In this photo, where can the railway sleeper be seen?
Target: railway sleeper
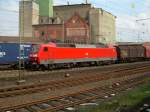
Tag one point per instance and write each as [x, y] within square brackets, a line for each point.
[34, 108]
[59, 105]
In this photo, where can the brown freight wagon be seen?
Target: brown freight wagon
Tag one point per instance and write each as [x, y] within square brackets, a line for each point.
[147, 47]
[135, 52]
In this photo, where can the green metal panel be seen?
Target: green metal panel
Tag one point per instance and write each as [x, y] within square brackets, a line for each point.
[46, 7]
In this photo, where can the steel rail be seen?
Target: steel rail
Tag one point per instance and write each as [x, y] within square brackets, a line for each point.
[98, 93]
[7, 92]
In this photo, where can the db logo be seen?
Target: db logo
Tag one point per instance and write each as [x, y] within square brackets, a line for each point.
[2, 54]
[86, 54]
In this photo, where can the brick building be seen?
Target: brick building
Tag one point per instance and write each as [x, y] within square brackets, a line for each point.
[95, 25]
[67, 11]
[49, 32]
[102, 23]
[74, 30]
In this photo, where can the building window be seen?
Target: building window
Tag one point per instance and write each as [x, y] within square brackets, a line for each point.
[42, 33]
[73, 21]
[41, 20]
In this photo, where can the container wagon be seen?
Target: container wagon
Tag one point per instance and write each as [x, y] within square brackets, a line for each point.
[9, 53]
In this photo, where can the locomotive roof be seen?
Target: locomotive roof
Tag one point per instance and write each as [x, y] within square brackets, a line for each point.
[82, 45]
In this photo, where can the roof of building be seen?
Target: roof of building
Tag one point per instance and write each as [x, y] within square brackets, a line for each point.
[77, 18]
[15, 39]
[70, 5]
[81, 5]
[47, 24]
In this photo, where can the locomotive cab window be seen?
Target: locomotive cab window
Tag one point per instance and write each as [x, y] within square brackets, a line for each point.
[45, 49]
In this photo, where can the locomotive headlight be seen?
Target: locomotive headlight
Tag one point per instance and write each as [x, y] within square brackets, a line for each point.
[35, 55]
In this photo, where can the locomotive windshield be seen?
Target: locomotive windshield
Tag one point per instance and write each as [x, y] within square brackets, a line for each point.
[35, 48]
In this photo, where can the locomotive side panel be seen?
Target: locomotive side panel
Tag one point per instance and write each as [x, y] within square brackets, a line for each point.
[68, 55]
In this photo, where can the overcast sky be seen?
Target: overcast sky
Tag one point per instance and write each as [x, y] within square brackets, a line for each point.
[127, 12]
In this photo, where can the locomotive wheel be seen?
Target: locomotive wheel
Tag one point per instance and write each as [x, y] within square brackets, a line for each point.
[42, 67]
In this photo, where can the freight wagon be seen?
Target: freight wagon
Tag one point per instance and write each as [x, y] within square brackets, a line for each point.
[9, 53]
[134, 52]
[52, 55]
[147, 47]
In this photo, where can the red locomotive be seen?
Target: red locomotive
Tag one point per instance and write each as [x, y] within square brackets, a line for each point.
[57, 55]
[48, 55]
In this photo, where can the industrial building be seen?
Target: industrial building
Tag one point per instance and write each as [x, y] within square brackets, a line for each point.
[45, 11]
[49, 32]
[67, 11]
[28, 16]
[15, 39]
[46, 8]
[100, 23]
[74, 30]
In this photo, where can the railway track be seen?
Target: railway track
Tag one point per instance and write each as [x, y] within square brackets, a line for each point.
[70, 82]
[14, 73]
[72, 99]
